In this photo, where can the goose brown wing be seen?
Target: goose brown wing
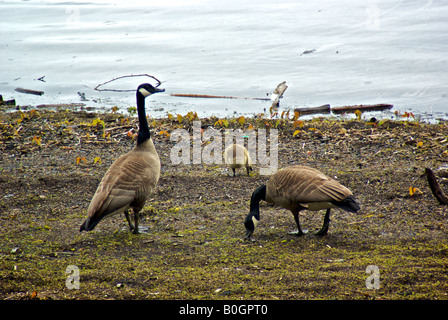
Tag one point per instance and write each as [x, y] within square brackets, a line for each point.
[300, 184]
[334, 190]
[127, 182]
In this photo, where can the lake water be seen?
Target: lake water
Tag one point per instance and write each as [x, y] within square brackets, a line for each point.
[340, 52]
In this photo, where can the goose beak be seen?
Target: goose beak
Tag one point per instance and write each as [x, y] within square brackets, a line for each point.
[158, 90]
[248, 234]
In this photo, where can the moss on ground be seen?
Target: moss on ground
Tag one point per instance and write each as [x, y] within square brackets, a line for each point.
[195, 248]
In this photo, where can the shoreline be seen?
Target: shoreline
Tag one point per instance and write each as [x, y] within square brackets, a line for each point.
[180, 105]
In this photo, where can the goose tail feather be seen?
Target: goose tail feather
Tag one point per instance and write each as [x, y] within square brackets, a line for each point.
[89, 224]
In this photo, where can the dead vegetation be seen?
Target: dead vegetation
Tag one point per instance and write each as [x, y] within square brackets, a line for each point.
[52, 163]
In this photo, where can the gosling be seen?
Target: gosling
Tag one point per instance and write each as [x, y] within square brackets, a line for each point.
[237, 156]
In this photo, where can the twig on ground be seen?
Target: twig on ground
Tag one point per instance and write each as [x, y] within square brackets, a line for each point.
[435, 187]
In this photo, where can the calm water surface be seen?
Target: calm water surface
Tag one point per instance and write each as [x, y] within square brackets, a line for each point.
[337, 52]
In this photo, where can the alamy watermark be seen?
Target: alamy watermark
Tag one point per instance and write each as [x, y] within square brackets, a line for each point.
[373, 21]
[373, 281]
[206, 146]
[72, 19]
[72, 281]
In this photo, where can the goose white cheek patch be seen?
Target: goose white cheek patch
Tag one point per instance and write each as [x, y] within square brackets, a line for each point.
[255, 221]
[144, 92]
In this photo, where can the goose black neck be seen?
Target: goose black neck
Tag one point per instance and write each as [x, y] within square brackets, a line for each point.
[143, 131]
[258, 195]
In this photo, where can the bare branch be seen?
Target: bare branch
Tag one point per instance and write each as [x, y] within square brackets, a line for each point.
[126, 76]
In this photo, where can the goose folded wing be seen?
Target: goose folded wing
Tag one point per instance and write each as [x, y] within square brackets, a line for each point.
[334, 190]
[317, 189]
[110, 196]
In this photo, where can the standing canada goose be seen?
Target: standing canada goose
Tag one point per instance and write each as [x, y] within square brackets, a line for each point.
[131, 178]
[236, 156]
[297, 188]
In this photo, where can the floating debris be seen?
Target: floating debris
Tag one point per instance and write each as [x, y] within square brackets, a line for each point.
[97, 88]
[190, 95]
[29, 91]
[82, 95]
[308, 51]
[61, 105]
[322, 109]
[7, 102]
[277, 94]
[344, 109]
[362, 108]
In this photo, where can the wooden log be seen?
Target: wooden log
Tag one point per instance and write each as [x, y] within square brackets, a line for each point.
[29, 91]
[362, 108]
[7, 102]
[322, 109]
[61, 105]
[435, 187]
[190, 95]
[277, 94]
[11, 102]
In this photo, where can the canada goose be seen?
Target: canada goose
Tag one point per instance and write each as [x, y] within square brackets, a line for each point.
[297, 188]
[131, 178]
[236, 156]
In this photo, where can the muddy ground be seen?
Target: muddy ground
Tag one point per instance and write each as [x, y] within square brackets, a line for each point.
[51, 163]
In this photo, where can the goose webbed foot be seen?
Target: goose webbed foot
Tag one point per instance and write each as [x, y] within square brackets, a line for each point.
[134, 227]
[136, 218]
[128, 219]
[298, 233]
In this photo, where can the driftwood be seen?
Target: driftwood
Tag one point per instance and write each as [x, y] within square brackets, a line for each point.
[61, 105]
[277, 94]
[435, 187]
[362, 108]
[322, 109]
[189, 95]
[7, 102]
[29, 91]
[97, 88]
[326, 109]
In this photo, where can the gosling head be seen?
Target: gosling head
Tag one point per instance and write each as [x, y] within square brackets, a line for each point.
[146, 89]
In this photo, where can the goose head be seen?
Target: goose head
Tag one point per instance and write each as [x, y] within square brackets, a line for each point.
[146, 89]
[253, 218]
[251, 222]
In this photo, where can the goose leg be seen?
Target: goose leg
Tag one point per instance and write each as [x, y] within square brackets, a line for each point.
[136, 218]
[131, 226]
[326, 224]
[299, 231]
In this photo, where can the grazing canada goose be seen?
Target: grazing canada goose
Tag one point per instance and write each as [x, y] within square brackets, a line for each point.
[297, 188]
[236, 156]
[131, 178]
